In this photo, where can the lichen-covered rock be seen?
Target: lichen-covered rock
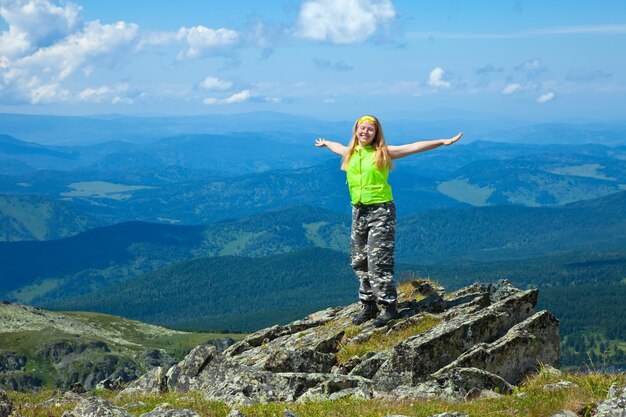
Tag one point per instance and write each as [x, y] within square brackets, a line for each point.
[413, 360]
[559, 385]
[179, 376]
[96, 407]
[153, 382]
[614, 405]
[6, 406]
[487, 334]
[20, 381]
[523, 348]
[11, 362]
[156, 357]
[299, 360]
[455, 385]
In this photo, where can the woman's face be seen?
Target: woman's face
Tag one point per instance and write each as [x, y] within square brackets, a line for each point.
[365, 133]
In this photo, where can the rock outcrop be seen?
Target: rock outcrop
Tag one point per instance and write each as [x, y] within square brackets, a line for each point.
[614, 405]
[74, 348]
[6, 407]
[483, 338]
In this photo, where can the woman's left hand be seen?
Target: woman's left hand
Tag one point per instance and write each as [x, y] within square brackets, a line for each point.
[450, 141]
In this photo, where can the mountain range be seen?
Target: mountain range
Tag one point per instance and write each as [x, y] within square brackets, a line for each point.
[209, 216]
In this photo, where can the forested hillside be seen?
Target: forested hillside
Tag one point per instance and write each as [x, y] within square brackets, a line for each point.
[229, 292]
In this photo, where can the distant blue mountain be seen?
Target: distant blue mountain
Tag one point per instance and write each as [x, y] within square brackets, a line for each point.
[400, 128]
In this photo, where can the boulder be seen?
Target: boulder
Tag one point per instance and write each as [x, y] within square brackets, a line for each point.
[152, 383]
[614, 405]
[156, 357]
[456, 384]
[10, 362]
[413, 360]
[523, 348]
[94, 406]
[6, 406]
[179, 376]
[488, 338]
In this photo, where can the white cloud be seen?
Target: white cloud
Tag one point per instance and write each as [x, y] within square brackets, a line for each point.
[214, 83]
[202, 40]
[511, 88]
[105, 94]
[37, 76]
[81, 48]
[37, 23]
[343, 21]
[239, 97]
[13, 44]
[435, 78]
[533, 65]
[544, 98]
[46, 92]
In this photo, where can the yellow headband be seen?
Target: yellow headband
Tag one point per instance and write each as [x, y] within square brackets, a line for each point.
[368, 119]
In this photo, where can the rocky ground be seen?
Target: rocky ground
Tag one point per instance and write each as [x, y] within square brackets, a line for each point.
[43, 348]
[478, 343]
[483, 338]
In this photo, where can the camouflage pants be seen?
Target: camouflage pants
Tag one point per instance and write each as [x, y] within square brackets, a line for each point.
[372, 247]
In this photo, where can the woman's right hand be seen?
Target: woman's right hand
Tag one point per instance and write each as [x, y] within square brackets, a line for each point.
[319, 142]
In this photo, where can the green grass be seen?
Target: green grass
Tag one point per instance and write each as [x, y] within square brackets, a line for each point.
[27, 293]
[462, 190]
[381, 341]
[312, 233]
[585, 170]
[127, 339]
[102, 189]
[238, 245]
[529, 400]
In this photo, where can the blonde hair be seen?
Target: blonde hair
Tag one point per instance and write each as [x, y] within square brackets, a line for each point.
[381, 157]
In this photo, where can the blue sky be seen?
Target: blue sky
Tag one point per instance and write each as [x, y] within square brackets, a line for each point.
[534, 60]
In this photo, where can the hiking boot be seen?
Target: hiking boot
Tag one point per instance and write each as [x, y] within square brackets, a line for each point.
[390, 312]
[368, 312]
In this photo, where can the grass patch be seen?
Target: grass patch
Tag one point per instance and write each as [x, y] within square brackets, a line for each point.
[462, 190]
[529, 400]
[380, 341]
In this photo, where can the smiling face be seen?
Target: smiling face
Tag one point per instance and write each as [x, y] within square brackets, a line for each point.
[365, 133]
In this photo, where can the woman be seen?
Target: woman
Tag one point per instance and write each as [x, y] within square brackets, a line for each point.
[367, 160]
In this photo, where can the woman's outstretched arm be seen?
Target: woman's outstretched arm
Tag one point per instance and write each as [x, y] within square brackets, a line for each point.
[335, 147]
[401, 151]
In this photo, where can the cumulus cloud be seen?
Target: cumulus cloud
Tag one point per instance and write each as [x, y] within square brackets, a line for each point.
[35, 24]
[38, 75]
[332, 65]
[343, 21]
[486, 69]
[544, 98]
[239, 97]
[533, 65]
[511, 88]
[214, 83]
[203, 41]
[81, 48]
[435, 79]
[115, 95]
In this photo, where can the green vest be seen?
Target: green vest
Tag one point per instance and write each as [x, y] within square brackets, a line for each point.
[367, 183]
